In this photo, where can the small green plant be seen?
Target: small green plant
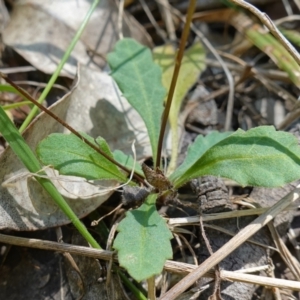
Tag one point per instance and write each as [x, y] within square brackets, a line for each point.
[259, 157]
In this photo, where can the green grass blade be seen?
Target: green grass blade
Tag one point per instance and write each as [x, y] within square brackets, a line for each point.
[292, 35]
[137, 292]
[16, 105]
[24, 153]
[8, 88]
[281, 57]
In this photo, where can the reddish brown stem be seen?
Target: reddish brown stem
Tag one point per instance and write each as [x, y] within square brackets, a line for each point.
[184, 36]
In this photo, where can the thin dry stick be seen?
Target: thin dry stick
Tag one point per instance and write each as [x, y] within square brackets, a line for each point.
[287, 7]
[17, 69]
[259, 280]
[293, 240]
[297, 2]
[40, 84]
[230, 233]
[289, 119]
[270, 74]
[252, 270]
[270, 85]
[270, 273]
[181, 249]
[120, 18]
[147, 11]
[165, 13]
[234, 243]
[109, 243]
[287, 19]
[96, 222]
[209, 248]
[72, 262]
[264, 18]
[151, 288]
[170, 266]
[285, 253]
[194, 220]
[194, 256]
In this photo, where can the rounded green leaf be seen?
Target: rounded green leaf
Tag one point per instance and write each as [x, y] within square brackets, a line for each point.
[71, 156]
[143, 241]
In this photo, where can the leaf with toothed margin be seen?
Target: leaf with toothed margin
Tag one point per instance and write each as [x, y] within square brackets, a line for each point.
[260, 156]
[143, 241]
[140, 80]
[71, 156]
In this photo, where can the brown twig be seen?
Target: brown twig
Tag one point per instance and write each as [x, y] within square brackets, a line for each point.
[170, 266]
[233, 244]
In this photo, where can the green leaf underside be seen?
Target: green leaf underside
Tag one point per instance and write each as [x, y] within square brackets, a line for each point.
[139, 79]
[143, 241]
[127, 161]
[196, 150]
[71, 156]
[193, 63]
[8, 88]
[261, 156]
[292, 35]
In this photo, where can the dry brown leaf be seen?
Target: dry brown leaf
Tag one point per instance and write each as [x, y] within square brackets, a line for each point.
[41, 31]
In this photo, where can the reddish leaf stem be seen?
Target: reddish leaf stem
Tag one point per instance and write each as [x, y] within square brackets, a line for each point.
[184, 36]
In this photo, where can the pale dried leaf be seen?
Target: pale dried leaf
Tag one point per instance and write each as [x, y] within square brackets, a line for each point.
[41, 31]
[99, 109]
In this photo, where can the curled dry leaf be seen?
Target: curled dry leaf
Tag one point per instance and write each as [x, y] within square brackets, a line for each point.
[95, 107]
[41, 31]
